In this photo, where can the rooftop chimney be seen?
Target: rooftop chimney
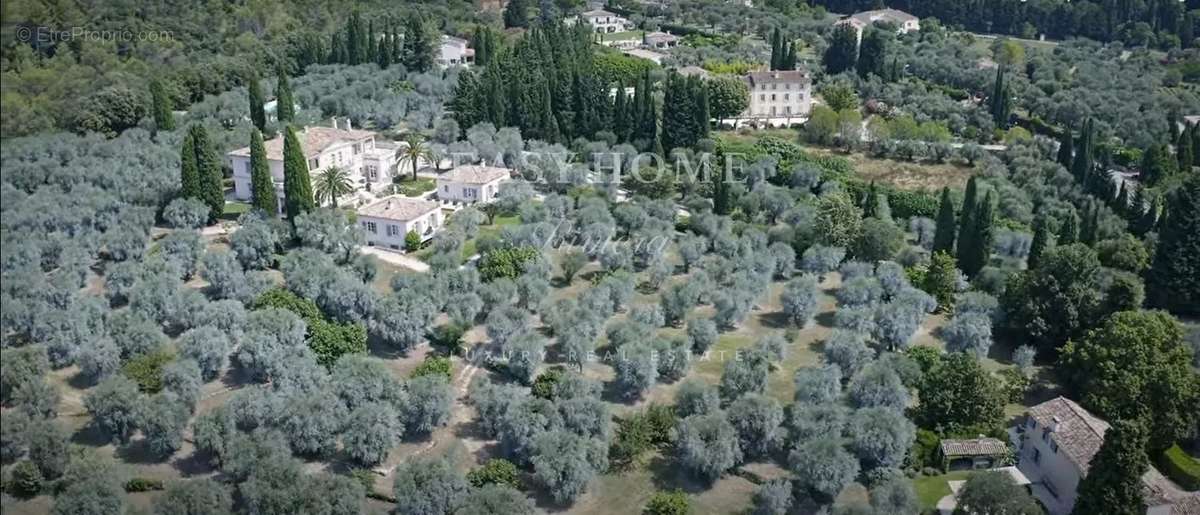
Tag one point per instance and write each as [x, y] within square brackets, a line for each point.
[334, 121]
[1054, 422]
[349, 126]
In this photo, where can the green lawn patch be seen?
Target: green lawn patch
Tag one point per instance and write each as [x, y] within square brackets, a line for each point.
[1181, 468]
[931, 489]
[234, 210]
[620, 36]
[411, 188]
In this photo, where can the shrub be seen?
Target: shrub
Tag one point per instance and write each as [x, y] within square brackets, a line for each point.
[143, 484]
[1181, 468]
[147, 369]
[433, 365]
[412, 241]
[26, 480]
[495, 472]
[674, 502]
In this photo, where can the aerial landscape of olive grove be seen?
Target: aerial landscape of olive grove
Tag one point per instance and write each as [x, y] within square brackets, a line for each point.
[649, 256]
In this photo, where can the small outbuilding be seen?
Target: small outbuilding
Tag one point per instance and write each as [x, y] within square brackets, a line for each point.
[973, 453]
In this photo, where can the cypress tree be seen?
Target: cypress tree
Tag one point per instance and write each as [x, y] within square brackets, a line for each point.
[872, 53]
[776, 49]
[1001, 105]
[163, 120]
[297, 183]
[842, 53]
[383, 51]
[258, 114]
[1183, 149]
[189, 170]
[870, 201]
[789, 56]
[1041, 239]
[1114, 480]
[262, 186]
[285, 105]
[703, 116]
[1069, 232]
[943, 236]
[722, 201]
[620, 115]
[1066, 148]
[516, 14]
[1174, 277]
[212, 187]
[982, 235]
[1088, 234]
[966, 224]
[1081, 166]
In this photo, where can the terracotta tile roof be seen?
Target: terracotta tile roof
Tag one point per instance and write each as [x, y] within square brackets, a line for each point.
[1079, 434]
[313, 140]
[474, 174]
[1187, 505]
[400, 208]
[889, 15]
[597, 13]
[659, 36]
[973, 447]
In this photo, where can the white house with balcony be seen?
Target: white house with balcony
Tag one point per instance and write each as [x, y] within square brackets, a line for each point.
[471, 183]
[779, 94]
[387, 221]
[903, 21]
[454, 52]
[370, 162]
[603, 21]
[1055, 446]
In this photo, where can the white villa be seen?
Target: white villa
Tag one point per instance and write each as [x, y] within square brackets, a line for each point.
[903, 21]
[370, 161]
[388, 220]
[603, 21]
[471, 183]
[779, 94]
[454, 52]
[1055, 445]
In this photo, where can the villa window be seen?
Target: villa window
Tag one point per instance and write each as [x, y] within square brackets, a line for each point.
[372, 173]
[787, 96]
[772, 97]
[1037, 456]
[314, 163]
[1054, 446]
[357, 148]
[392, 230]
[370, 226]
[247, 167]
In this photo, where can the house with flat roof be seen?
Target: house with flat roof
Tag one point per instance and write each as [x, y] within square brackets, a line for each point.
[1056, 444]
[454, 52]
[471, 183]
[369, 160]
[779, 94]
[903, 21]
[387, 221]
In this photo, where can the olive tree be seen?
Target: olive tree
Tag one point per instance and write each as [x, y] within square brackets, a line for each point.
[186, 213]
[881, 437]
[799, 299]
[162, 419]
[208, 347]
[757, 419]
[371, 432]
[823, 466]
[877, 385]
[773, 498]
[702, 334]
[202, 496]
[424, 486]
[969, 332]
[707, 445]
[818, 385]
[114, 405]
[564, 462]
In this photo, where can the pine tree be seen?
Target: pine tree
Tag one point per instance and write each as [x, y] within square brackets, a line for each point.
[418, 45]
[161, 108]
[262, 186]
[1114, 480]
[842, 53]
[516, 14]
[1066, 148]
[285, 105]
[297, 183]
[966, 223]
[979, 251]
[943, 236]
[258, 115]
[1173, 282]
[1041, 239]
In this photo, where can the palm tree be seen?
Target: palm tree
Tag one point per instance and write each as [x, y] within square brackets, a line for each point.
[332, 183]
[415, 149]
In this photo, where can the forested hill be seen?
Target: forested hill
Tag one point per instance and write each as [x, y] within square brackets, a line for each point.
[1161, 23]
[66, 61]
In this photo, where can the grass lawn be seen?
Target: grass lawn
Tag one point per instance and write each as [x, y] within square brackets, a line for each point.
[930, 489]
[411, 188]
[233, 210]
[904, 175]
[619, 36]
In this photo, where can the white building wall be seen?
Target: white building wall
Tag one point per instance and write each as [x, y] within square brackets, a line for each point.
[387, 233]
[470, 193]
[1042, 463]
[343, 155]
[778, 100]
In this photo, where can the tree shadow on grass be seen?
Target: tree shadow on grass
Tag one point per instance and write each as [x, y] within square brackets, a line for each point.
[194, 464]
[775, 320]
[90, 436]
[825, 319]
[138, 452]
[668, 475]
